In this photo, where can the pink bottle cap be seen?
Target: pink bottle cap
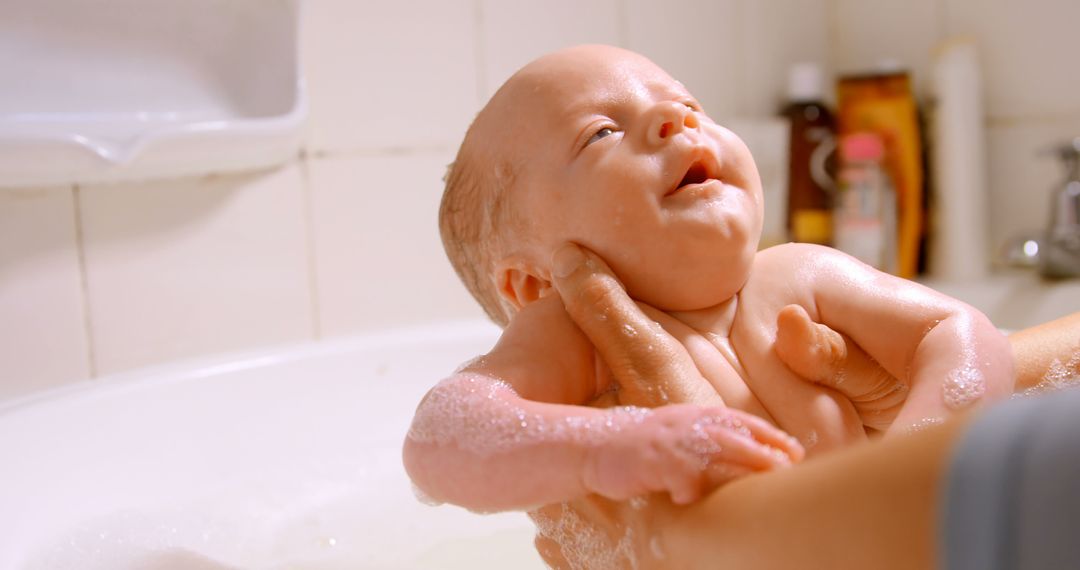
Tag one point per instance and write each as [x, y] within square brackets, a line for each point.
[861, 147]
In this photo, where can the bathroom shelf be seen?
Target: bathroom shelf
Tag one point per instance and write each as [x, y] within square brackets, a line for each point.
[116, 90]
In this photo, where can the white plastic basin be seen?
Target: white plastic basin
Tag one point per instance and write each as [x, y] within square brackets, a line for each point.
[285, 459]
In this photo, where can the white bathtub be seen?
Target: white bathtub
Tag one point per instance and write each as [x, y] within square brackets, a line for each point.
[283, 459]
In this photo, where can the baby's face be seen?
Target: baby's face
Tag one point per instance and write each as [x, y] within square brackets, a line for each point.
[619, 157]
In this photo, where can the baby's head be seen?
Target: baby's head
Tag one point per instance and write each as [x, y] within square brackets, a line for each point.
[599, 146]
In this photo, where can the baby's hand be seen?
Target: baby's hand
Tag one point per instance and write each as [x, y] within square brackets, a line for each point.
[686, 450]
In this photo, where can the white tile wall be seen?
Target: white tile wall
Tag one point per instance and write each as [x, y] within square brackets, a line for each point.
[864, 33]
[379, 259]
[696, 42]
[514, 32]
[43, 339]
[192, 266]
[1021, 179]
[771, 36]
[346, 239]
[390, 74]
[1029, 54]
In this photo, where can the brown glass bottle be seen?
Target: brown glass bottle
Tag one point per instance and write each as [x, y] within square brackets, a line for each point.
[809, 212]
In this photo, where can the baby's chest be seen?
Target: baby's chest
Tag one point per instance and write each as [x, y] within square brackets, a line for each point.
[716, 356]
[737, 355]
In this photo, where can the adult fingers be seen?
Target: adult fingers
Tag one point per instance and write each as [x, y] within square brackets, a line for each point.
[649, 364]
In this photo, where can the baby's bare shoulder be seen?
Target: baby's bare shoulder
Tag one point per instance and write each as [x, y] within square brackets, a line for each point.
[789, 273]
[795, 256]
[543, 355]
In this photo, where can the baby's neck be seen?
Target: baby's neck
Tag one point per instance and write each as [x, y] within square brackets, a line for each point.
[715, 320]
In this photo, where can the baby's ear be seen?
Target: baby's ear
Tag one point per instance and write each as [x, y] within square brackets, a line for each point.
[520, 282]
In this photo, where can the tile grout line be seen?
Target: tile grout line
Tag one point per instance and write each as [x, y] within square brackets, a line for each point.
[831, 35]
[1030, 120]
[377, 152]
[944, 27]
[309, 238]
[80, 249]
[622, 24]
[478, 57]
[738, 95]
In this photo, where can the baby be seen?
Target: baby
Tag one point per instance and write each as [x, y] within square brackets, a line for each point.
[597, 146]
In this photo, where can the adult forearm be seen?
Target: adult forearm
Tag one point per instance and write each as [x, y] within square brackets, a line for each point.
[870, 506]
[1036, 350]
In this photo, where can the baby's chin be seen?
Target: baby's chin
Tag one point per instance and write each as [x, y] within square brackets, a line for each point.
[687, 293]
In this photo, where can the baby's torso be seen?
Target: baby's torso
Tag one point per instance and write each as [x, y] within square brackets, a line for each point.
[732, 346]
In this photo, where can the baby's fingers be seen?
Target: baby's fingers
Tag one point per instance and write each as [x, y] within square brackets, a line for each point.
[737, 449]
[771, 436]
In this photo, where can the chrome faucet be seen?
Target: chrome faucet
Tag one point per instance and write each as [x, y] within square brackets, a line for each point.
[1059, 254]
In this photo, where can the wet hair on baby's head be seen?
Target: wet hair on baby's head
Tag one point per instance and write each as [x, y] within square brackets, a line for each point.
[473, 219]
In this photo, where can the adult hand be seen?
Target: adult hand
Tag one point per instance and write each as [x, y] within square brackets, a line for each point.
[652, 369]
[649, 363]
[683, 449]
[650, 366]
[595, 532]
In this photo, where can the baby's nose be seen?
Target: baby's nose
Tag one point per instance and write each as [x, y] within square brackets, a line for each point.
[669, 119]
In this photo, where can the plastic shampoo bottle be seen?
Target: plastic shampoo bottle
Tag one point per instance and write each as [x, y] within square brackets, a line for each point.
[812, 126]
[865, 214]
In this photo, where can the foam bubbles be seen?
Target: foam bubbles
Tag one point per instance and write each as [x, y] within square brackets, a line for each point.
[963, 387]
[923, 424]
[475, 361]
[656, 549]
[1058, 377]
[478, 414]
[583, 546]
[423, 497]
[701, 443]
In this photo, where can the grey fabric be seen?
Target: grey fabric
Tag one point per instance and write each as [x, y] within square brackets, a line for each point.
[1012, 493]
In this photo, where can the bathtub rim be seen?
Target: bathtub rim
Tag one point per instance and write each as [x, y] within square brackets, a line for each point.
[203, 366]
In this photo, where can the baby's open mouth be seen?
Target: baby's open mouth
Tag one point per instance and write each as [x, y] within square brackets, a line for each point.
[696, 174]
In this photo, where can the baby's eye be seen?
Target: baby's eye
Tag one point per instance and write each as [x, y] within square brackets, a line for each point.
[606, 131]
[692, 106]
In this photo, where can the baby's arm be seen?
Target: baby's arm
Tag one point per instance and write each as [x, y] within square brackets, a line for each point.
[948, 354]
[509, 432]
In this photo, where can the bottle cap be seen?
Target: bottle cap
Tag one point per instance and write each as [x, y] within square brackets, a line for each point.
[805, 82]
[861, 147]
